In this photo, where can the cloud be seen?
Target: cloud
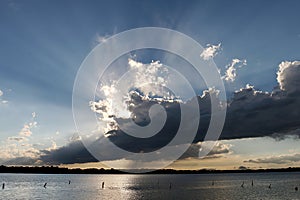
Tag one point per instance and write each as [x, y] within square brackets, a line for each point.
[210, 51]
[52, 147]
[22, 161]
[294, 134]
[75, 137]
[146, 86]
[219, 150]
[26, 130]
[33, 115]
[254, 113]
[230, 73]
[1, 100]
[98, 39]
[282, 159]
[288, 76]
[17, 149]
[101, 39]
[250, 113]
[74, 152]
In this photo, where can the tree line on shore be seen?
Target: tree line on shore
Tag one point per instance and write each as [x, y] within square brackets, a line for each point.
[63, 170]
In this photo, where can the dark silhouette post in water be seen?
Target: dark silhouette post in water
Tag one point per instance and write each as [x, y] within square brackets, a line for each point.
[45, 185]
[69, 182]
[252, 183]
[170, 186]
[213, 183]
[102, 185]
[3, 186]
[270, 186]
[296, 188]
[242, 184]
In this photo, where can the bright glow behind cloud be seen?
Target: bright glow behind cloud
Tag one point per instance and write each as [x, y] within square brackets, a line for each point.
[146, 80]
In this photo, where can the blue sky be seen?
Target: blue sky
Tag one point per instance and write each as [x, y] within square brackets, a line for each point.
[43, 43]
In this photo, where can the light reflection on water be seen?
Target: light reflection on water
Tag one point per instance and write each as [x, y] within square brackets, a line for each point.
[226, 186]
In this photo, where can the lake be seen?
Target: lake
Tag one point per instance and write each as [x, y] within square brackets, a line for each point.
[185, 186]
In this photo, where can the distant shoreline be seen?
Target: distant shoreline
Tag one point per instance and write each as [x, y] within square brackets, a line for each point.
[60, 170]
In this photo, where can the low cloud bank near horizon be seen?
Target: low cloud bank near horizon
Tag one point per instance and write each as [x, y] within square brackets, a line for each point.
[281, 159]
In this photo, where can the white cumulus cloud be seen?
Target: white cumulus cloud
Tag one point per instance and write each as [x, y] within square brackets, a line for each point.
[210, 51]
[230, 73]
[27, 128]
[288, 76]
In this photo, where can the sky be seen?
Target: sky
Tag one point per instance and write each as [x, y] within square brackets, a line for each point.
[254, 44]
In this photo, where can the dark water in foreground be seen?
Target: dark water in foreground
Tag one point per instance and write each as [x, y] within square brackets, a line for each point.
[199, 186]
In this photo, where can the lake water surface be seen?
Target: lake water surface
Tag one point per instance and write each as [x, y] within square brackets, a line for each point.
[191, 186]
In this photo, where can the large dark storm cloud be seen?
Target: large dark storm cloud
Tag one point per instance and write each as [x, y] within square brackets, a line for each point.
[74, 152]
[254, 113]
[250, 113]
